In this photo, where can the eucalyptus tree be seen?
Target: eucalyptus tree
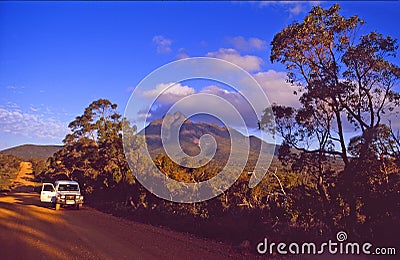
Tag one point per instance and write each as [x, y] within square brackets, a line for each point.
[347, 83]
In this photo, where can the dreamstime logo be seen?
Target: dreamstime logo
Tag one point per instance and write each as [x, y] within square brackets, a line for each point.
[165, 85]
[341, 236]
[332, 247]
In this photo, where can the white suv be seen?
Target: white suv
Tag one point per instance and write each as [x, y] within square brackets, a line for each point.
[62, 193]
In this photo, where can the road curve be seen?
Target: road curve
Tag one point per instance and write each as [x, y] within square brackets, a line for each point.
[31, 230]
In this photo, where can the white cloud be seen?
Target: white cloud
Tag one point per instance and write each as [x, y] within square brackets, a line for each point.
[237, 100]
[12, 106]
[198, 104]
[273, 83]
[169, 92]
[163, 44]
[247, 62]
[232, 115]
[15, 89]
[292, 7]
[276, 88]
[252, 43]
[144, 116]
[234, 98]
[296, 9]
[33, 108]
[182, 54]
[31, 125]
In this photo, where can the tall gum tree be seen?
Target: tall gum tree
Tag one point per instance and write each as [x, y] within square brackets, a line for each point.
[93, 151]
[345, 79]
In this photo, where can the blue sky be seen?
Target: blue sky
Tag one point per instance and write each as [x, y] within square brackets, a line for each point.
[58, 57]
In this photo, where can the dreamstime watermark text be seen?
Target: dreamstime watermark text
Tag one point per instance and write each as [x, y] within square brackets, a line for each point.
[339, 246]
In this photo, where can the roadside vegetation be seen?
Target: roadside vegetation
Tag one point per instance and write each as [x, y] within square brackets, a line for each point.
[345, 79]
[9, 166]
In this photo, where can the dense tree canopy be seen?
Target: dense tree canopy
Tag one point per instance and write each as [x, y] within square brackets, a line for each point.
[346, 80]
[93, 152]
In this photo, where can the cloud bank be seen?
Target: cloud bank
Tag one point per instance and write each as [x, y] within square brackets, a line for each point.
[250, 63]
[250, 44]
[31, 125]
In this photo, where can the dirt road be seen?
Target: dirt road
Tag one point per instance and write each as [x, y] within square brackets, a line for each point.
[31, 230]
[24, 180]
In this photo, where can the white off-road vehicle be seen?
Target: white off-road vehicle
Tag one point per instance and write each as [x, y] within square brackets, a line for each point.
[63, 193]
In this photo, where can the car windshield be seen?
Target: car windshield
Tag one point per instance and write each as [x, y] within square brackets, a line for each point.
[68, 187]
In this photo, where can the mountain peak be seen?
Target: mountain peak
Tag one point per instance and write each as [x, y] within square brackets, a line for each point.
[190, 134]
[170, 119]
[175, 116]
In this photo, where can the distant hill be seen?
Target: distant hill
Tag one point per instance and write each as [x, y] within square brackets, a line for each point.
[189, 137]
[28, 151]
[190, 133]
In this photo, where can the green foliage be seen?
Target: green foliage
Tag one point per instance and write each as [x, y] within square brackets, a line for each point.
[343, 78]
[93, 152]
[9, 165]
[38, 166]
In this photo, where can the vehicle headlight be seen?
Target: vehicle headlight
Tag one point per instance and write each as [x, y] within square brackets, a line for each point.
[63, 196]
[81, 197]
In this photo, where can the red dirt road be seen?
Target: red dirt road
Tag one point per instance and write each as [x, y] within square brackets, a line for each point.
[29, 230]
[32, 230]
